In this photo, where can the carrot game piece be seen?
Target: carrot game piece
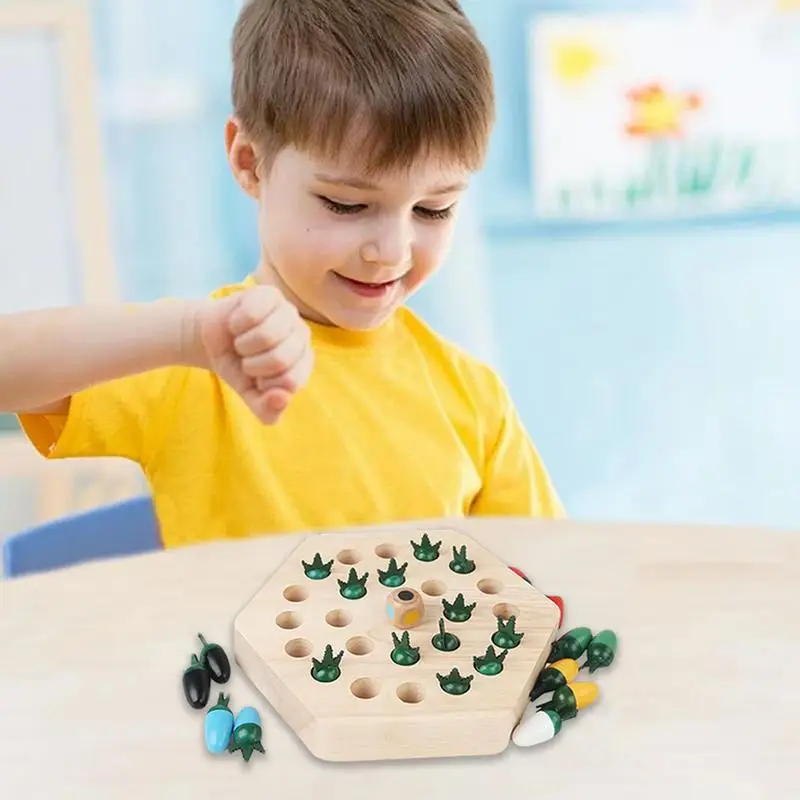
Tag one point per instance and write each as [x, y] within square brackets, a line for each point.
[394, 575]
[558, 674]
[219, 725]
[458, 610]
[506, 635]
[215, 660]
[536, 727]
[196, 684]
[317, 569]
[247, 732]
[354, 588]
[461, 563]
[426, 550]
[572, 698]
[444, 640]
[601, 650]
[404, 653]
[326, 669]
[572, 644]
[454, 682]
[491, 662]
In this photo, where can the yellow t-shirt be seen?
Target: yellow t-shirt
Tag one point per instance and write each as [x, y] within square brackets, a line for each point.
[394, 424]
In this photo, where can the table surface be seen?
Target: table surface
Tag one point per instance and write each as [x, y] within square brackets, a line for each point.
[702, 700]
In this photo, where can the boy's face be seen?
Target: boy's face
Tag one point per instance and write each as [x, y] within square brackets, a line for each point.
[348, 248]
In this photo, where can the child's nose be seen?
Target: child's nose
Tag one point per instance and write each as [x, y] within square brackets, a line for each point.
[389, 247]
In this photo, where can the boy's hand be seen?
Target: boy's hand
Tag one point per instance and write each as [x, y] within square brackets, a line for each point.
[258, 343]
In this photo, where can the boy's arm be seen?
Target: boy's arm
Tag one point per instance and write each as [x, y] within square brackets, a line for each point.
[515, 480]
[94, 381]
[48, 356]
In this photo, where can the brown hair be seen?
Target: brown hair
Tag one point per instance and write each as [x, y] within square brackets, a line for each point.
[412, 73]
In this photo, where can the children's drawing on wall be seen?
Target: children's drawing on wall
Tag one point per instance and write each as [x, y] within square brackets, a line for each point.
[637, 116]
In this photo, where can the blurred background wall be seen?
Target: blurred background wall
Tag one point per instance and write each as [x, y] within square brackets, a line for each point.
[655, 363]
[653, 359]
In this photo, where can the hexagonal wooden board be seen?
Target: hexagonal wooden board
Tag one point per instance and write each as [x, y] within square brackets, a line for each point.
[377, 709]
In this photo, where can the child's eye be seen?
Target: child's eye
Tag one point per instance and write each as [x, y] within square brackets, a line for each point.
[345, 208]
[435, 213]
[341, 208]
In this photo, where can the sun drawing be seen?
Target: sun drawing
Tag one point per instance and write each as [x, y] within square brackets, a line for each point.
[574, 60]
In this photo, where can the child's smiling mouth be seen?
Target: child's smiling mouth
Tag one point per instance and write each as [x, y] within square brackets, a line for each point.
[365, 289]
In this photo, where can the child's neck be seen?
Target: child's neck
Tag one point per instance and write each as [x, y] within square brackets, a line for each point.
[266, 275]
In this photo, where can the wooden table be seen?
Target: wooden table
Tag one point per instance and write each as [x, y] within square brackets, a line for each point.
[702, 701]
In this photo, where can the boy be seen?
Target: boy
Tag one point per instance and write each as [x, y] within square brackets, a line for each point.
[308, 396]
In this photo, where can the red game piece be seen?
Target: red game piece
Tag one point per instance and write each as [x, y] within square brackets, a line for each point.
[521, 574]
[560, 603]
[554, 597]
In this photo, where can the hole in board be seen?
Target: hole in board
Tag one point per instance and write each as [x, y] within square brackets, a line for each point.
[298, 648]
[295, 594]
[365, 688]
[338, 618]
[505, 611]
[490, 586]
[288, 620]
[411, 692]
[359, 645]
[349, 557]
[434, 588]
[386, 551]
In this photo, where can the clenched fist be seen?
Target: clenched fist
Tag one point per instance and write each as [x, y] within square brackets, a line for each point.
[258, 343]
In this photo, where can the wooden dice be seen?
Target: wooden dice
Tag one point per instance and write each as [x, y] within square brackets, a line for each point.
[405, 608]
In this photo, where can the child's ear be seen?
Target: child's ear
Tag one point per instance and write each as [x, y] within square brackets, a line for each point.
[242, 157]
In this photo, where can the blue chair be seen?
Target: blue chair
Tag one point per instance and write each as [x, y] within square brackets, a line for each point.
[122, 529]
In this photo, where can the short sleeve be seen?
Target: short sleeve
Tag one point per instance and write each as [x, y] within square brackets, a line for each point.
[124, 418]
[515, 480]
[127, 418]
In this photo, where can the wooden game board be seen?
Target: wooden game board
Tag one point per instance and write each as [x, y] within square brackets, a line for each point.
[377, 709]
